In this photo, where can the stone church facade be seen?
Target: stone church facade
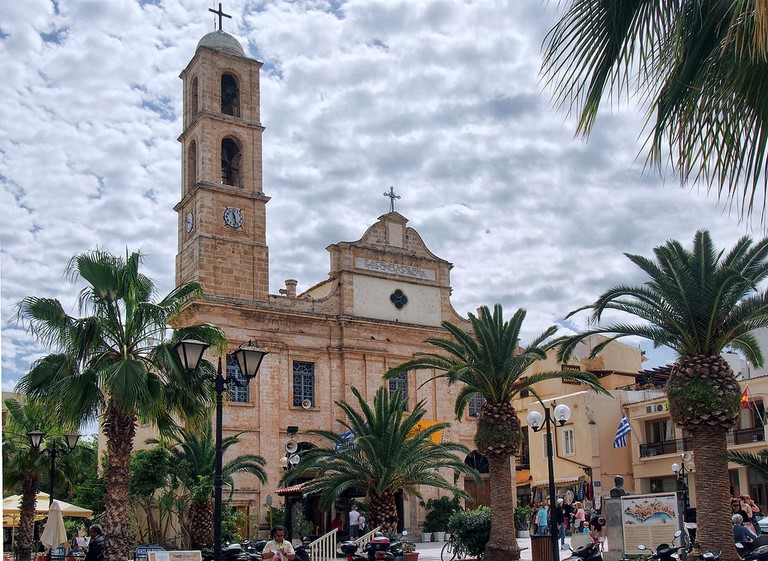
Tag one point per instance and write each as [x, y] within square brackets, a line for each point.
[385, 293]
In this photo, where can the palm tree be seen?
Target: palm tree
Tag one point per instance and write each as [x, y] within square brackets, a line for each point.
[489, 361]
[115, 363]
[700, 65]
[23, 466]
[757, 462]
[697, 303]
[194, 455]
[388, 454]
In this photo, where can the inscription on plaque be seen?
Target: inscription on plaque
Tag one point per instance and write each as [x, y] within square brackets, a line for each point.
[392, 268]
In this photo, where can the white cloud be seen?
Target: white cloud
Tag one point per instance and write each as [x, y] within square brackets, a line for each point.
[441, 99]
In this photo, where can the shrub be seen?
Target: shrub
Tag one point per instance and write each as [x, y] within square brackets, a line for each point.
[439, 512]
[522, 518]
[471, 529]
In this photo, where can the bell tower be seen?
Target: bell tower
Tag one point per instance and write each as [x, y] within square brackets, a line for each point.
[222, 212]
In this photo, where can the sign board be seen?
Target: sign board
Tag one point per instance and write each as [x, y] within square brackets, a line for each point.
[142, 551]
[648, 519]
[175, 556]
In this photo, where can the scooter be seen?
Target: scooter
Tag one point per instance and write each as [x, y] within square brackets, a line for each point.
[759, 553]
[664, 551]
[375, 550]
[589, 552]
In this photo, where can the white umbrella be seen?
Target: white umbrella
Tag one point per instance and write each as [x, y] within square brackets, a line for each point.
[12, 509]
[54, 533]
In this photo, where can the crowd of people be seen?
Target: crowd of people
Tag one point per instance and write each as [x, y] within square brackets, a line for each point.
[745, 516]
[569, 519]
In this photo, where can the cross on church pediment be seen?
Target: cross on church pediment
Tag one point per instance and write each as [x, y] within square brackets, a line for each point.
[392, 197]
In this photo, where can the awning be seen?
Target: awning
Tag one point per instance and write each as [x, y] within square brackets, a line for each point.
[559, 481]
[292, 490]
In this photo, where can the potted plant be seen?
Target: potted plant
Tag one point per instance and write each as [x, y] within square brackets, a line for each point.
[523, 521]
[409, 551]
[439, 512]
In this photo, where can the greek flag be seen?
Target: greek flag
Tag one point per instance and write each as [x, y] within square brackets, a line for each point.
[348, 438]
[621, 433]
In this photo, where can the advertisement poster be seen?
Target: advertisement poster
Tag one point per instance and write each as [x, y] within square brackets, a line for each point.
[648, 519]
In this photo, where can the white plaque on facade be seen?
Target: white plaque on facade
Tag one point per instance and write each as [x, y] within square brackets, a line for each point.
[394, 269]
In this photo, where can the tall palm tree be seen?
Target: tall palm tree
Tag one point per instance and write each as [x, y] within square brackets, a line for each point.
[23, 466]
[489, 361]
[115, 363]
[194, 455]
[388, 454]
[697, 303]
[701, 66]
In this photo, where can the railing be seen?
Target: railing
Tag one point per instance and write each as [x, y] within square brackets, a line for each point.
[324, 547]
[665, 447]
[746, 436]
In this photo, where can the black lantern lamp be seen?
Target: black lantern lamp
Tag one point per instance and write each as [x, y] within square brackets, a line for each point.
[249, 360]
[53, 449]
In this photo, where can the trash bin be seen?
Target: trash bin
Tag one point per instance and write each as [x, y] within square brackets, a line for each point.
[541, 548]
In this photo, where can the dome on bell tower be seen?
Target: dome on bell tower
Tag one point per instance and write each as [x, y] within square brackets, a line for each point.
[222, 41]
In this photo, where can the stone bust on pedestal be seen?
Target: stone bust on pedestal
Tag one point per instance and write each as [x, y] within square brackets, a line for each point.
[618, 490]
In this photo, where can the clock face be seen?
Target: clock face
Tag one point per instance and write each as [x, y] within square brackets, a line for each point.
[190, 222]
[233, 217]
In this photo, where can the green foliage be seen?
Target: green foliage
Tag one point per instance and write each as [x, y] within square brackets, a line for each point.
[439, 512]
[90, 493]
[278, 516]
[232, 521]
[301, 526]
[757, 462]
[388, 454]
[471, 529]
[522, 518]
[150, 470]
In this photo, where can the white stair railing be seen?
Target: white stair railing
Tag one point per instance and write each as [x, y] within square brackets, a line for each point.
[324, 547]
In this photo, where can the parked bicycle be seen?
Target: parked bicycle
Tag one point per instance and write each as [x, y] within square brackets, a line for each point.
[452, 550]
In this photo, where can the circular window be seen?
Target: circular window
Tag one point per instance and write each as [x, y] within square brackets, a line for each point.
[398, 299]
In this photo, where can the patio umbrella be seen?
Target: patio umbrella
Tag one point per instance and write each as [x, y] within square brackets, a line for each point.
[54, 533]
[12, 509]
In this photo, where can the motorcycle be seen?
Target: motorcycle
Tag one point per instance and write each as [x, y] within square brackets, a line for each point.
[254, 549]
[234, 552]
[378, 549]
[759, 553]
[589, 552]
[664, 551]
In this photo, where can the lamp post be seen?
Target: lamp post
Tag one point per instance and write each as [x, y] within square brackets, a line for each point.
[53, 449]
[249, 360]
[288, 461]
[681, 472]
[537, 422]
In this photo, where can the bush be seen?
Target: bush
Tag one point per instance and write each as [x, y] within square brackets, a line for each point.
[471, 529]
[522, 518]
[439, 512]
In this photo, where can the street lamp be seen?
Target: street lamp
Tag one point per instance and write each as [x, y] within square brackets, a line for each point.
[53, 449]
[681, 472]
[290, 460]
[249, 360]
[537, 422]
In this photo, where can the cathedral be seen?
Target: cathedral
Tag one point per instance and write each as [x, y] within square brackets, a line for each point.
[385, 294]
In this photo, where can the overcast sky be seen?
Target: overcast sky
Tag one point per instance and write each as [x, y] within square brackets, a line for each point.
[440, 99]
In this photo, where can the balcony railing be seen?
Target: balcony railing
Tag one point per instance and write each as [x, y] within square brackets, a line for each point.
[677, 446]
[746, 436]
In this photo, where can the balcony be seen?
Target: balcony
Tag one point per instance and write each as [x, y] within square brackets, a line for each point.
[746, 436]
[677, 446]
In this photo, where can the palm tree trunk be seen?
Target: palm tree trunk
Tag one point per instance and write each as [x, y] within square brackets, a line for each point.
[120, 429]
[714, 529]
[383, 513]
[502, 545]
[29, 489]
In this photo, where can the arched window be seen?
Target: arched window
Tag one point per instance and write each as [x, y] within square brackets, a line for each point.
[230, 95]
[191, 166]
[194, 97]
[230, 162]
[477, 461]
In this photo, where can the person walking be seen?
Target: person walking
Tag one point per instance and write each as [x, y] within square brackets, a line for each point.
[278, 548]
[95, 544]
[559, 515]
[541, 520]
[354, 521]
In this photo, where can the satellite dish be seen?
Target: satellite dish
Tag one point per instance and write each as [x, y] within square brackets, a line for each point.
[291, 447]
[306, 404]
[687, 456]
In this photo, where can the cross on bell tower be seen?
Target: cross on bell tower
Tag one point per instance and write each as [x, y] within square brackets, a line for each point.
[392, 197]
[221, 14]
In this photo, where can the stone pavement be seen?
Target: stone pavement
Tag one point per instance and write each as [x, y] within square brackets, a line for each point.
[430, 551]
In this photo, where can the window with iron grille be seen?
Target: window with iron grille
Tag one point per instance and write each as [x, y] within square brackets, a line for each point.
[237, 394]
[303, 382]
[399, 382]
[475, 404]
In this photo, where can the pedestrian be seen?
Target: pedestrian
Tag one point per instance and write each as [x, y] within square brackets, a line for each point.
[559, 516]
[597, 528]
[541, 520]
[741, 534]
[579, 517]
[278, 548]
[354, 519]
[361, 524]
[337, 523]
[95, 544]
